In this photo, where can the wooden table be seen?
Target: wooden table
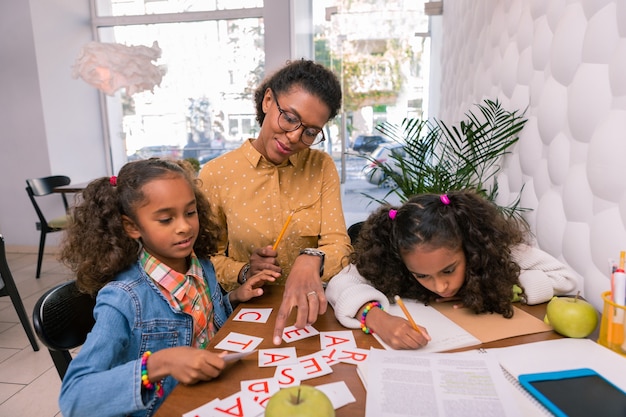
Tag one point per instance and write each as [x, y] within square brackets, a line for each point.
[185, 398]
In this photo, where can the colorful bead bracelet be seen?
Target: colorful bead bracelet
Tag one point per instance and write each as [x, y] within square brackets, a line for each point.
[144, 376]
[366, 310]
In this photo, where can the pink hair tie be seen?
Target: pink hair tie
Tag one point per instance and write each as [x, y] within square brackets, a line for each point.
[444, 199]
[392, 214]
[113, 180]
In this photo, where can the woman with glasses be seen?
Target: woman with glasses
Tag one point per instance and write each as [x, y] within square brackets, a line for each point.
[277, 199]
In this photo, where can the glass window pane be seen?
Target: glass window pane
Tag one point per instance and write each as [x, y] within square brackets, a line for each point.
[144, 7]
[212, 70]
[379, 49]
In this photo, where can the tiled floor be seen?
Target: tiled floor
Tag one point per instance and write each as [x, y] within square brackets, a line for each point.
[29, 382]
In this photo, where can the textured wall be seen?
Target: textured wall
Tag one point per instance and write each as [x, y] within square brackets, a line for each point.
[565, 61]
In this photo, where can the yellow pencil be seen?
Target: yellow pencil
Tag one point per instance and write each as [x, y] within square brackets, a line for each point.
[282, 232]
[408, 316]
[622, 254]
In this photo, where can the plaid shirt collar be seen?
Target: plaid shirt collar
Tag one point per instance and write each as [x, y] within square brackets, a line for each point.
[172, 281]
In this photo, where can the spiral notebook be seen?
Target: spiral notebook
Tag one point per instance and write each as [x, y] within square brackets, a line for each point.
[556, 356]
[527, 404]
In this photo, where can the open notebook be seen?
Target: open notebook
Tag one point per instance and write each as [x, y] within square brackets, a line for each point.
[454, 328]
[445, 333]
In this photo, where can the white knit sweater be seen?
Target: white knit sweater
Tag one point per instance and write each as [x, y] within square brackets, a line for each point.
[542, 277]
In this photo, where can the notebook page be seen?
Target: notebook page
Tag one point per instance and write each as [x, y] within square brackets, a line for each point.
[445, 333]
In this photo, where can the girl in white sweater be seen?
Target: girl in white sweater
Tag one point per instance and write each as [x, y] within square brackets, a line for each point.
[455, 246]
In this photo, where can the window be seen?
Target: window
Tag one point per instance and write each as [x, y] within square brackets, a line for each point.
[213, 54]
[148, 7]
[380, 51]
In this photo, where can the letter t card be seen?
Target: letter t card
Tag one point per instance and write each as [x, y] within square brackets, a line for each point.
[238, 342]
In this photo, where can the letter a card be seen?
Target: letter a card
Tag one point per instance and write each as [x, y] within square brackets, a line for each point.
[338, 339]
[277, 357]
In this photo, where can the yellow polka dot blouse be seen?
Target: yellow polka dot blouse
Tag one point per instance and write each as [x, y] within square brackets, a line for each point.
[252, 199]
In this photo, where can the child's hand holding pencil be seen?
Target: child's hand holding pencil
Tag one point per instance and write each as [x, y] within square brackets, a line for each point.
[395, 331]
[410, 319]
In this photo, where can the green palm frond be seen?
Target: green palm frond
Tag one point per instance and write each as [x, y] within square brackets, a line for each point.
[441, 158]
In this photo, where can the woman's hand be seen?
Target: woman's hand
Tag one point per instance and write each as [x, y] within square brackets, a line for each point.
[264, 259]
[252, 287]
[303, 290]
[396, 331]
[186, 364]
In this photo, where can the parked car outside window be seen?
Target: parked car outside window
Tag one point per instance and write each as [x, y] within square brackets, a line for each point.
[387, 153]
[367, 143]
[158, 151]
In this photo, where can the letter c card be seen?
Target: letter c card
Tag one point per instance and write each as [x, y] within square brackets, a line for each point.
[253, 315]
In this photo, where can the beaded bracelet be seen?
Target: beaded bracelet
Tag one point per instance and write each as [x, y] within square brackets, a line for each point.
[144, 376]
[366, 310]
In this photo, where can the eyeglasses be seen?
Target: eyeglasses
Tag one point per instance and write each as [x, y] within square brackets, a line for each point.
[289, 122]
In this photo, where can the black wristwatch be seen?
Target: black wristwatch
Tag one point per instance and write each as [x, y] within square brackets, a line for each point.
[244, 274]
[315, 252]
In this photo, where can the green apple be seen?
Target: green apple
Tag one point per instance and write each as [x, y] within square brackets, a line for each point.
[571, 317]
[299, 401]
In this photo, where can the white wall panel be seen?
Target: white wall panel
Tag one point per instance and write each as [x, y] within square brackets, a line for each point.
[565, 60]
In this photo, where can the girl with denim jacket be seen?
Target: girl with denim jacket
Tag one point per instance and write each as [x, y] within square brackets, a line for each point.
[140, 242]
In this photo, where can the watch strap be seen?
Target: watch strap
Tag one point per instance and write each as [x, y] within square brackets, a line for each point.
[315, 252]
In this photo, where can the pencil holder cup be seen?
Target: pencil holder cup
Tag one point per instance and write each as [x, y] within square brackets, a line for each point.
[612, 325]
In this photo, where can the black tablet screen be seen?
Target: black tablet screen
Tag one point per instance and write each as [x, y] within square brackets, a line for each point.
[584, 396]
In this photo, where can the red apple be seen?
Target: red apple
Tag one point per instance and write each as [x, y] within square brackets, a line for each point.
[299, 401]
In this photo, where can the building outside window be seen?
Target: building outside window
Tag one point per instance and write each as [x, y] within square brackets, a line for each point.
[214, 53]
[213, 60]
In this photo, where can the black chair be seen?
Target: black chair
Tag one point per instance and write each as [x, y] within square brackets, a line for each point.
[63, 317]
[10, 289]
[38, 187]
[353, 231]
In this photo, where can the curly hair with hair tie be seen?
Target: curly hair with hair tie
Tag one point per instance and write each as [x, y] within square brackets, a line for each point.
[96, 247]
[463, 220]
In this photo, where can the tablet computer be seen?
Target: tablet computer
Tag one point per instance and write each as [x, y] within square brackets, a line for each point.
[576, 393]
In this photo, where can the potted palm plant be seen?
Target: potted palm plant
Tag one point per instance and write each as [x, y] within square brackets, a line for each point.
[441, 158]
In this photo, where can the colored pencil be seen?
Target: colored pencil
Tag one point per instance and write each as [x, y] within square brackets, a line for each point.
[408, 316]
[282, 232]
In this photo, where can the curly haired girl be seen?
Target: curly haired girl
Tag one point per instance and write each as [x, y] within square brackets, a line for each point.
[140, 242]
[455, 246]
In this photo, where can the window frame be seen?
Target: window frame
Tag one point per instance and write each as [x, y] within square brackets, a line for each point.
[278, 18]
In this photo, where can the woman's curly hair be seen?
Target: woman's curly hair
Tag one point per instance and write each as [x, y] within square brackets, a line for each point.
[96, 247]
[312, 77]
[470, 222]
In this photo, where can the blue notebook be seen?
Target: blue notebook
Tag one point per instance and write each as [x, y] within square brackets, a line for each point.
[576, 393]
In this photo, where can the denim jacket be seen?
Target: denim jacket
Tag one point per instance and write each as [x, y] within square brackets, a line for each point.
[132, 317]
